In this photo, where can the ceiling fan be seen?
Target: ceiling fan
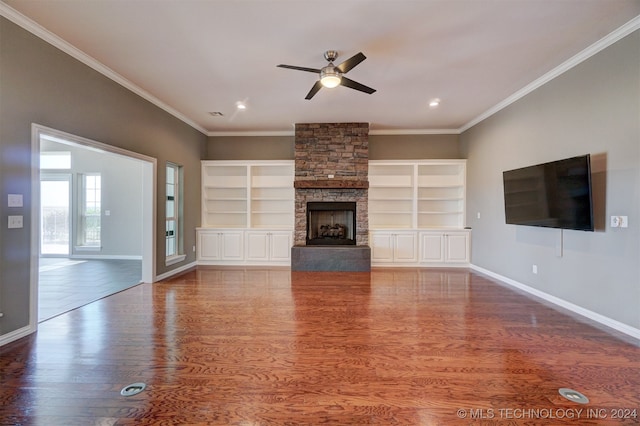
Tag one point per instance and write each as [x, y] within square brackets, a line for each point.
[332, 76]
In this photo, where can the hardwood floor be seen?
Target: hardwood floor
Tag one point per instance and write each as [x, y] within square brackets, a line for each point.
[66, 284]
[270, 346]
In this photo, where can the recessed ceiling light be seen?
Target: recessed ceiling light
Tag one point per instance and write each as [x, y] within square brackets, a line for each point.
[241, 105]
[434, 102]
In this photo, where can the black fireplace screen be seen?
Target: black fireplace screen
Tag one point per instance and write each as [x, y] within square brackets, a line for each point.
[331, 223]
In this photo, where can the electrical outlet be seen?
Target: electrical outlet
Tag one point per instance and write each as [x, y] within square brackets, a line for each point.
[534, 269]
[619, 221]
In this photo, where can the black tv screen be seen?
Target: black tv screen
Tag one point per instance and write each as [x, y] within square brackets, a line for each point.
[555, 194]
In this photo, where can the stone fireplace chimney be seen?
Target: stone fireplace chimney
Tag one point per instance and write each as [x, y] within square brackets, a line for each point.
[331, 166]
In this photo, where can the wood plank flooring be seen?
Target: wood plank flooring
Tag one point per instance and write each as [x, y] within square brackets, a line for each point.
[65, 284]
[275, 347]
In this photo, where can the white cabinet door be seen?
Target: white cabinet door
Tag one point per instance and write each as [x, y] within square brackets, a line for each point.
[393, 247]
[257, 246]
[445, 247]
[432, 247]
[216, 244]
[405, 248]
[381, 247]
[457, 247]
[280, 246]
[208, 245]
[269, 246]
[231, 245]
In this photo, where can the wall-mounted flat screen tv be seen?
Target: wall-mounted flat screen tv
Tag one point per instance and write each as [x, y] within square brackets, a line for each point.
[554, 195]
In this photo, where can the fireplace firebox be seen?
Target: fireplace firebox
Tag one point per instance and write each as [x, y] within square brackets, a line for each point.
[331, 223]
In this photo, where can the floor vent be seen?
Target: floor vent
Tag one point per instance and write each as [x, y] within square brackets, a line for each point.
[573, 395]
[132, 389]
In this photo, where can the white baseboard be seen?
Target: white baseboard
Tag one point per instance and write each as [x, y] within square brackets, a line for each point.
[175, 271]
[16, 334]
[601, 319]
[102, 257]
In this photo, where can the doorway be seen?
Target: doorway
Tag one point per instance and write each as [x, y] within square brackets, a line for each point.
[68, 259]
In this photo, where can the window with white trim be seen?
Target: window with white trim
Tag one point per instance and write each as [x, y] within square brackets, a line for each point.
[55, 160]
[173, 234]
[90, 207]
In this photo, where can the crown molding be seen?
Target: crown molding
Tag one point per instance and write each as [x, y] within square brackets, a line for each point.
[252, 133]
[415, 132]
[46, 35]
[381, 132]
[572, 62]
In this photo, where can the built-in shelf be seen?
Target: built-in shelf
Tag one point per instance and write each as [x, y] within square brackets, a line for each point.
[417, 194]
[242, 194]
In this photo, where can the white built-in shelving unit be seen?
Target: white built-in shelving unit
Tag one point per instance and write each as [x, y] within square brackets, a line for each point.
[417, 194]
[417, 212]
[246, 201]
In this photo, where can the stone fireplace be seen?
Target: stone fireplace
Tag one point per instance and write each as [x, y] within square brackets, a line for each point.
[331, 171]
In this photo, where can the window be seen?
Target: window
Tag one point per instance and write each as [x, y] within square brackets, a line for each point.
[173, 234]
[55, 160]
[90, 210]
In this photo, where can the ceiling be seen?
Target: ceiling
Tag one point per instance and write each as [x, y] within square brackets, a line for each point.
[196, 57]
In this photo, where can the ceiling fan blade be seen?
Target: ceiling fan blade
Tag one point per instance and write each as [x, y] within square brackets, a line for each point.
[316, 87]
[350, 63]
[355, 85]
[293, 67]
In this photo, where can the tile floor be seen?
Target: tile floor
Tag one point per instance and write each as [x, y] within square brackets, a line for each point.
[66, 284]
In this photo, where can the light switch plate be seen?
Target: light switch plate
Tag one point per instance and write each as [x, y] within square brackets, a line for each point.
[615, 221]
[619, 221]
[14, 200]
[15, 221]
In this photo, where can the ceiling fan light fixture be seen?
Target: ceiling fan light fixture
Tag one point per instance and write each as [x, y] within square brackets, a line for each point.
[330, 77]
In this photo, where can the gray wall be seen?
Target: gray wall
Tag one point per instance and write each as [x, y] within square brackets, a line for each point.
[40, 84]
[381, 147]
[121, 230]
[250, 148]
[593, 108]
[412, 147]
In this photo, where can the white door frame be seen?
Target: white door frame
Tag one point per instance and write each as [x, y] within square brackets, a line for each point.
[149, 173]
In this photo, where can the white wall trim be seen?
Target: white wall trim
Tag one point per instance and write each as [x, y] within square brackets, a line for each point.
[601, 319]
[176, 271]
[46, 35]
[17, 334]
[253, 133]
[391, 132]
[104, 257]
[415, 132]
[582, 56]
